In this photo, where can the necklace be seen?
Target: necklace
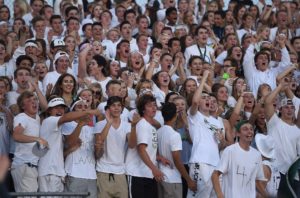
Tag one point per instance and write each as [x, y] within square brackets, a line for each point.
[201, 54]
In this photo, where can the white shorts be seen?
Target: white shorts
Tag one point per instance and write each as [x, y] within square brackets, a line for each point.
[201, 173]
[25, 178]
[51, 183]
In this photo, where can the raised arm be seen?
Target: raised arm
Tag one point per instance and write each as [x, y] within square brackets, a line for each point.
[266, 13]
[197, 94]
[178, 66]
[248, 62]
[235, 116]
[269, 107]
[33, 86]
[280, 76]
[68, 117]
[150, 69]
[285, 56]
[131, 137]
[82, 73]
[255, 112]
[229, 136]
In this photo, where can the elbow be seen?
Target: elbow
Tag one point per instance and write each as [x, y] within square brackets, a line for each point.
[141, 149]
[214, 176]
[131, 144]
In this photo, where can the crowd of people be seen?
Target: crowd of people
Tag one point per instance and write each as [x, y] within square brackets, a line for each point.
[151, 98]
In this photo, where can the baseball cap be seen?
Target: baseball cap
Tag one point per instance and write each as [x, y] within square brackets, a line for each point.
[39, 150]
[60, 54]
[57, 43]
[56, 102]
[285, 101]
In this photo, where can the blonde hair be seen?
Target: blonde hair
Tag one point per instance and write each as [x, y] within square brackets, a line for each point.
[23, 6]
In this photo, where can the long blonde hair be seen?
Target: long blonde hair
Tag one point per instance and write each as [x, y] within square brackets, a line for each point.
[23, 6]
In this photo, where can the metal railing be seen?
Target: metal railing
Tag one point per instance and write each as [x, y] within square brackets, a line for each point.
[48, 194]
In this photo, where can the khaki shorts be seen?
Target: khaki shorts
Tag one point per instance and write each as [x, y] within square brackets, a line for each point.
[112, 185]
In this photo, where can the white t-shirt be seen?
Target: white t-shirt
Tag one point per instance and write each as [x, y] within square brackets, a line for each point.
[273, 33]
[287, 142]
[53, 161]
[194, 50]
[27, 18]
[50, 78]
[7, 69]
[240, 170]
[296, 102]
[81, 163]
[146, 134]
[221, 57]
[256, 77]
[12, 97]
[202, 135]
[113, 159]
[159, 94]
[273, 184]
[111, 48]
[169, 140]
[23, 153]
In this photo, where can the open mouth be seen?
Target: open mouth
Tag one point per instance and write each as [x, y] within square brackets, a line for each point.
[34, 106]
[137, 62]
[58, 114]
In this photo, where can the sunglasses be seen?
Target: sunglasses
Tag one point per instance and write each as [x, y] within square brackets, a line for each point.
[96, 93]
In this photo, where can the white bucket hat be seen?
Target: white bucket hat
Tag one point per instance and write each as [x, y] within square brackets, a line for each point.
[265, 145]
[56, 102]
